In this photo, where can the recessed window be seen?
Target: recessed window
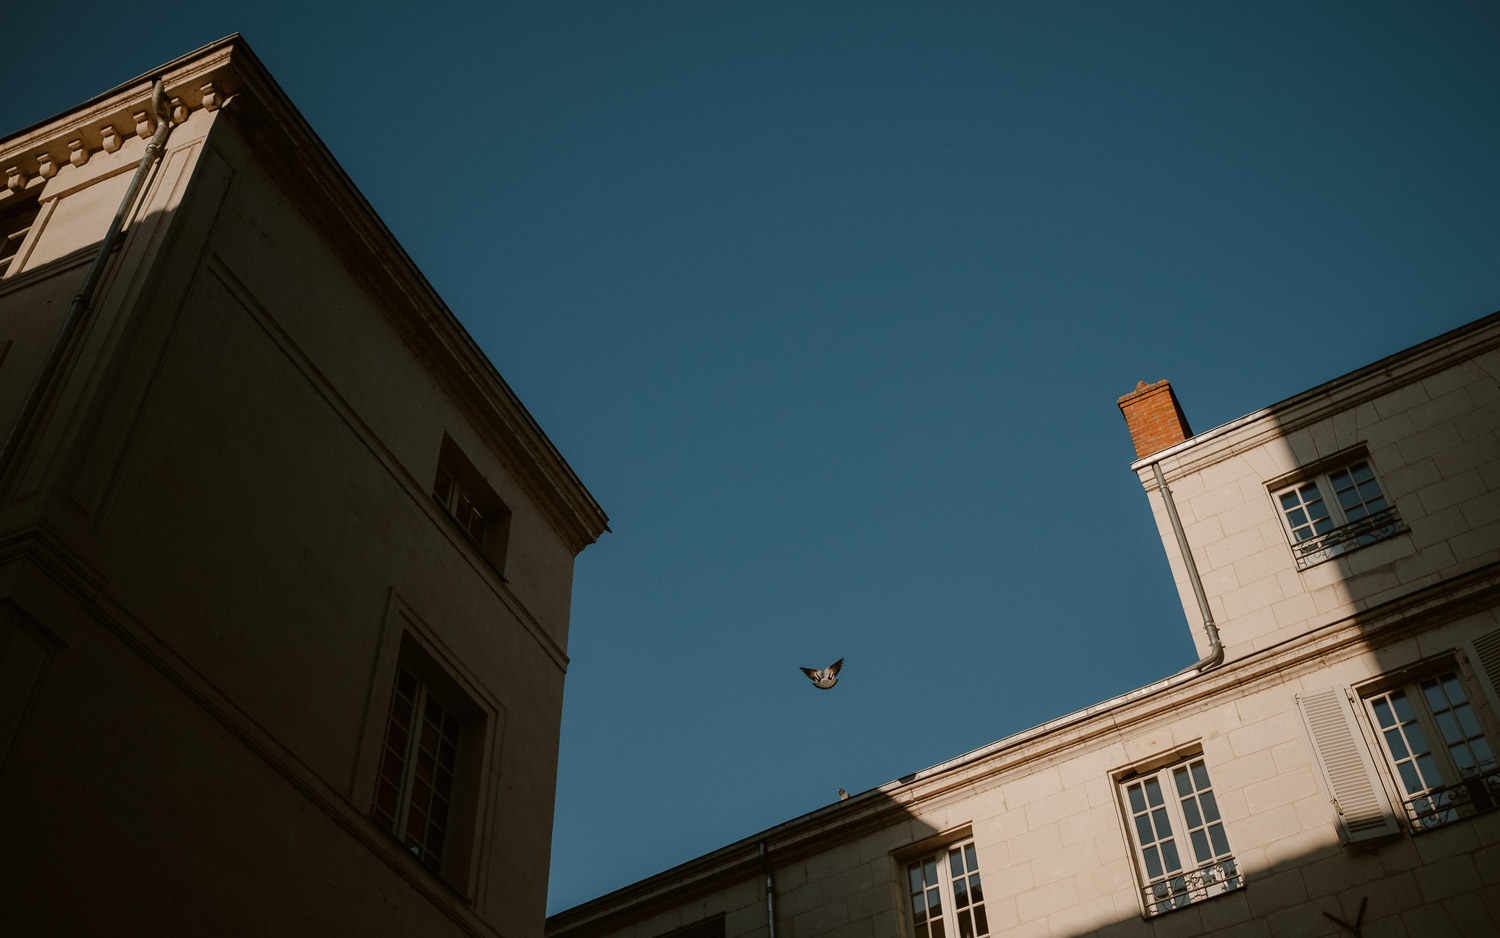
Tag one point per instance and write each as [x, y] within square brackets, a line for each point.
[414, 794]
[426, 778]
[1334, 508]
[460, 504]
[1181, 846]
[14, 224]
[946, 897]
[1438, 753]
[465, 497]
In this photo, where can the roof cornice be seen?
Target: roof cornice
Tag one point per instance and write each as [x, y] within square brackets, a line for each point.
[228, 71]
[1342, 393]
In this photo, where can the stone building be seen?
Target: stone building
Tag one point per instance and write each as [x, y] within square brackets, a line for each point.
[1327, 767]
[285, 565]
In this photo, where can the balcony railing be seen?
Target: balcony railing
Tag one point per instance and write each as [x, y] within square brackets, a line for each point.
[1440, 806]
[1183, 889]
[1347, 537]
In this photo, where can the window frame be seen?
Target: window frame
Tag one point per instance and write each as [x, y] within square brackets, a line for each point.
[939, 851]
[1344, 534]
[1195, 882]
[18, 219]
[1456, 795]
[407, 641]
[468, 502]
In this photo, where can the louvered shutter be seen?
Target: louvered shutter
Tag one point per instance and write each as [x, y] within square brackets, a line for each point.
[1345, 768]
[1484, 654]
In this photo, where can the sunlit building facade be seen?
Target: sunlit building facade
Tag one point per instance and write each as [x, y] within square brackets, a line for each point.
[285, 566]
[1327, 767]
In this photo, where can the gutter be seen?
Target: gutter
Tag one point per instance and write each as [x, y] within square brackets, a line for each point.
[82, 305]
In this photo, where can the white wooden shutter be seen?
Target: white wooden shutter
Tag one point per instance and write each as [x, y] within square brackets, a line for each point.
[1345, 768]
[1484, 654]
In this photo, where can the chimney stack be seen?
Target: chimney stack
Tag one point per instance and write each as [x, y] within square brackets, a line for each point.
[1154, 417]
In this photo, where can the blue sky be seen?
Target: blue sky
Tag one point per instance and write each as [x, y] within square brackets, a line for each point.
[829, 305]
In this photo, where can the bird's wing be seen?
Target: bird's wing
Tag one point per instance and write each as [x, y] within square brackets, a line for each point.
[833, 669]
[812, 673]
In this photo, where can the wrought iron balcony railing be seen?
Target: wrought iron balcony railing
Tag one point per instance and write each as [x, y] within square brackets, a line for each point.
[1474, 795]
[1347, 537]
[1183, 889]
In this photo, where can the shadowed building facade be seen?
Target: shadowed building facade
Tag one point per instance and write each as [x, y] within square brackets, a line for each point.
[285, 565]
[1326, 768]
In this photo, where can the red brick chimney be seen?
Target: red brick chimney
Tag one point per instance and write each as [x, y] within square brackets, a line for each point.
[1154, 417]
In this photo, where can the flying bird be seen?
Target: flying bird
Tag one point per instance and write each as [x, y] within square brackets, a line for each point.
[827, 677]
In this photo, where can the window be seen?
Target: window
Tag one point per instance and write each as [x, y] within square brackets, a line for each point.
[1181, 848]
[14, 223]
[430, 758]
[460, 504]
[1333, 507]
[947, 900]
[1440, 758]
[414, 792]
[461, 491]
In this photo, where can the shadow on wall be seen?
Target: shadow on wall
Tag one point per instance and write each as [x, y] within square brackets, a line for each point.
[836, 870]
[1348, 553]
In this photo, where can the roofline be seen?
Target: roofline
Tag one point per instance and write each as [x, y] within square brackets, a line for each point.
[1326, 389]
[542, 470]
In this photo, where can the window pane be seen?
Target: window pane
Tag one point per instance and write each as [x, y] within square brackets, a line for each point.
[1153, 793]
[955, 864]
[1190, 812]
[1210, 806]
[976, 892]
[1137, 800]
[1221, 843]
[1482, 753]
[1410, 780]
[1169, 856]
[1153, 862]
[965, 925]
[1397, 745]
[1163, 826]
[970, 857]
[1467, 720]
[1383, 713]
[1143, 829]
[1430, 773]
[981, 922]
[1184, 784]
[1448, 725]
[1200, 847]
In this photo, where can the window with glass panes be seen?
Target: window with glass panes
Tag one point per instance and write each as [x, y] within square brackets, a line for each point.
[947, 900]
[414, 788]
[1181, 846]
[1331, 513]
[1438, 752]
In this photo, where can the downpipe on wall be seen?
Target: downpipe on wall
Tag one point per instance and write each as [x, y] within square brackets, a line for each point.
[82, 305]
[1215, 654]
[765, 862]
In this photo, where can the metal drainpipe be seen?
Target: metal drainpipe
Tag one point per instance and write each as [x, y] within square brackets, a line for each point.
[1215, 654]
[770, 892]
[80, 308]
